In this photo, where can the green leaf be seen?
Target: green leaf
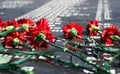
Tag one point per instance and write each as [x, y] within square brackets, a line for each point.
[114, 49]
[94, 28]
[58, 57]
[115, 37]
[1, 48]
[64, 43]
[22, 60]
[102, 72]
[106, 66]
[76, 64]
[28, 70]
[4, 58]
[2, 34]
[25, 26]
[9, 28]
[73, 32]
[65, 49]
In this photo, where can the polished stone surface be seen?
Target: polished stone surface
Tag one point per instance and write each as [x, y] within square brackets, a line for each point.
[58, 13]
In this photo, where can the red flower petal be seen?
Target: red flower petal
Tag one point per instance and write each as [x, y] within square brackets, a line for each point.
[0, 20]
[89, 27]
[9, 37]
[3, 24]
[25, 21]
[12, 22]
[42, 27]
[107, 32]
[70, 26]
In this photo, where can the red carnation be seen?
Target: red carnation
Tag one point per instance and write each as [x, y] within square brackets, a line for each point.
[26, 21]
[41, 30]
[10, 24]
[26, 24]
[92, 27]
[2, 24]
[0, 20]
[13, 23]
[107, 33]
[42, 25]
[71, 30]
[13, 39]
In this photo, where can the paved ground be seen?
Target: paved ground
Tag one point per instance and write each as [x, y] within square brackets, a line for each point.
[14, 8]
[59, 12]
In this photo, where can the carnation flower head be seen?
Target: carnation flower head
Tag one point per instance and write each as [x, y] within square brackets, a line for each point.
[71, 29]
[92, 28]
[13, 39]
[108, 33]
[39, 33]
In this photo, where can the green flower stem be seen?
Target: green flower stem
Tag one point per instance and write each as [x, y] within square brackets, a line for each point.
[22, 60]
[13, 67]
[24, 71]
[115, 37]
[18, 52]
[4, 66]
[81, 37]
[79, 56]
[88, 62]
[70, 42]
[28, 47]
[99, 32]
[69, 63]
[38, 54]
[19, 28]
[116, 56]
[94, 28]
[8, 66]
[1, 48]
[58, 60]
[35, 52]
[45, 53]
[58, 37]
[2, 34]
[106, 50]
[103, 48]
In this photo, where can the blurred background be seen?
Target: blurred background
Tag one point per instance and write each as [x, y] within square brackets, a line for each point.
[58, 13]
